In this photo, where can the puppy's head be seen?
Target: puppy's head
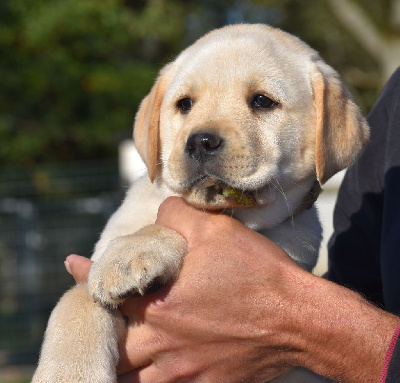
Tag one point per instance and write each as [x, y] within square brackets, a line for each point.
[248, 115]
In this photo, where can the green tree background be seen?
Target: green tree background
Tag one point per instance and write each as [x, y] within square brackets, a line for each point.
[73, 72]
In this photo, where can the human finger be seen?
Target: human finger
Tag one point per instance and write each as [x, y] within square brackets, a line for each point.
[78, 267]
[145, 374]
[134, 355]
[147, 341]
[185, 219]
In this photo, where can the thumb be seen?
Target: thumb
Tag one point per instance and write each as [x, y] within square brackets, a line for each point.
[78, 267]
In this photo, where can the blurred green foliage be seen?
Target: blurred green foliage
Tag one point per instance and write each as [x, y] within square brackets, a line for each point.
[317, 24]
[73, 72]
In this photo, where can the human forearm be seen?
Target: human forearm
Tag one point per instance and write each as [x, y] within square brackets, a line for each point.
[338, 333]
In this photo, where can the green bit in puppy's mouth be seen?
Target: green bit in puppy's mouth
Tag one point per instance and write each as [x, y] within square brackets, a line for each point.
[238, 196]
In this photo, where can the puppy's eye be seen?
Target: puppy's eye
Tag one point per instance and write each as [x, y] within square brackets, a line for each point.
[185, 104]
[261, 101]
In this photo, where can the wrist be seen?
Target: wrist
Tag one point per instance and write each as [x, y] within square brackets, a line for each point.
[391, 370]
[337, 333]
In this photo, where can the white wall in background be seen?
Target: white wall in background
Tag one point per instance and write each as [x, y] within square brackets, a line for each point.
[325, 204]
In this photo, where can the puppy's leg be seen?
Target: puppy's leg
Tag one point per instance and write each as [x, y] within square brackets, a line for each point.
[80, 344]
[131, 263]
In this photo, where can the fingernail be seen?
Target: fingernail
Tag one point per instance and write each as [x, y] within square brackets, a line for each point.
[67, 266]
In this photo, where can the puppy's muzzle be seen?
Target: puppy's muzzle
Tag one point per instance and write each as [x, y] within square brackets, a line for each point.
[203, 147]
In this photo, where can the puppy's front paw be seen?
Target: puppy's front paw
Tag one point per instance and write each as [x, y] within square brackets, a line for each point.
[132, 263]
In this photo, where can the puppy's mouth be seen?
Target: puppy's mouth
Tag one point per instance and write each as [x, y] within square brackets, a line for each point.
[211, 192]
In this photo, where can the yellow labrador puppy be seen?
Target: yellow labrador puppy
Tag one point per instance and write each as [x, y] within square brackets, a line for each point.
[248, 119]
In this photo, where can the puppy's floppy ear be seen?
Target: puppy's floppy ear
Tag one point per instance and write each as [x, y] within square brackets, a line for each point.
[341, 129]
[146, 131]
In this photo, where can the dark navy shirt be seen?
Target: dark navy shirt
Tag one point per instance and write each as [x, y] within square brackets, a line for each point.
[364, 252]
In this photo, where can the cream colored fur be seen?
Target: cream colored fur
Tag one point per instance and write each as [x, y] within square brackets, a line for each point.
[272, 155]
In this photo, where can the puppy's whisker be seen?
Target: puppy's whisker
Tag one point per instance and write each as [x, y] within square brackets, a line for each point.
[280, 189]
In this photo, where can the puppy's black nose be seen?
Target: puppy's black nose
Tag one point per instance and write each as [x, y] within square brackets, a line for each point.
[201, 147]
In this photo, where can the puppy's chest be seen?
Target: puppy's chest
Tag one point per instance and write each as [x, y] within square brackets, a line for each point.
[300, 236]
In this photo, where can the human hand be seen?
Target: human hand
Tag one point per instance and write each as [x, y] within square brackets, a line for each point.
[204, 326]
[242, 310]
[210, 324]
